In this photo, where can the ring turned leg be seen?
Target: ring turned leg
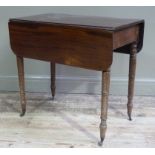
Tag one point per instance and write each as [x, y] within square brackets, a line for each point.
[20, 65]
[53, 79]
[104, 104]
[132, 70]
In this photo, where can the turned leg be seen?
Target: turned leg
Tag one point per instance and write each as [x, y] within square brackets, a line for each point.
[20, 65]
[53, 79]
[104, 104]
[132, 70]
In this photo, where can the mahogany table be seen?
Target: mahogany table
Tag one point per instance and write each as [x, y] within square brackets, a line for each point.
[80, 41]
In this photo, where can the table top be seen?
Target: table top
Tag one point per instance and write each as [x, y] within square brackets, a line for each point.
[83, 41]
[107, 23]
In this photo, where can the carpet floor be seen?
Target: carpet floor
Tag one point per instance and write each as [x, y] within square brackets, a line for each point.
[72, 120]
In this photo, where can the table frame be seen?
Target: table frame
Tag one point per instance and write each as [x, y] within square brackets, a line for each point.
[130, 37]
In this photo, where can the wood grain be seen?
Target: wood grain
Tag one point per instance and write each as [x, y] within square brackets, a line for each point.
[81, 47]
[125, 36]
[95, 22]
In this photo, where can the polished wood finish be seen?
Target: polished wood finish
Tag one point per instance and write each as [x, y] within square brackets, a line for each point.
[132, 71]
[53, 79]
[80, 41]
[20, 66]
[126, 36]
[65, 45]
[93, 22]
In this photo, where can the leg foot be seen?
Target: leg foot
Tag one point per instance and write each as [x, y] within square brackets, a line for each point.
[53, 91]
[129, 110]
[100, 143]
[130, 119]
[53, 97]
[23, 113]
[103, 128]
[53, 79]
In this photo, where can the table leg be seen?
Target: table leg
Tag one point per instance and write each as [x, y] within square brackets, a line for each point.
[104, 104]
[20, 66]
[53, 79]
[132, 70]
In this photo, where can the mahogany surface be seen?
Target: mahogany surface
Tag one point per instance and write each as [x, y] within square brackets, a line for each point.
[80, 41]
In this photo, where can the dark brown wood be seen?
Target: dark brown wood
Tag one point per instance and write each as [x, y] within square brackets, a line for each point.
[125, 36]
[80, 47]
[20, 66]
[104, 104]
[93, 22]
[132, 71]
[80, 41]
[53, 80]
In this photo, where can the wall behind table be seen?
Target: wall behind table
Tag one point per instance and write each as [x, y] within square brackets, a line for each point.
[76, 80]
